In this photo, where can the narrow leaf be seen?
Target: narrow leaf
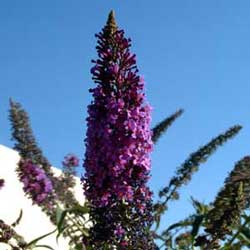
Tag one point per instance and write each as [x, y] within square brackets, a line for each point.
[44, 246]
[33, 242]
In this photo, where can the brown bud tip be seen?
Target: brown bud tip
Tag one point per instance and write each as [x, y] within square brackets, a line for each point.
[111, 26]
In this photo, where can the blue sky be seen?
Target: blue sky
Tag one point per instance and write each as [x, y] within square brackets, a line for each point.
[193, 54]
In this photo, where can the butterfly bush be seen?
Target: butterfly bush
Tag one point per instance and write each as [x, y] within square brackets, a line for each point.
[36, 183]
[118, 144]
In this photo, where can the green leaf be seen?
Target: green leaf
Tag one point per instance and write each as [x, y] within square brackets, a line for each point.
[183, 223]
[79, 209]
[245, 233]
[61, 215]
[44, 246]
[60, 223]
[196, 225]
[200, 207]
[33, 242]
[59, 212]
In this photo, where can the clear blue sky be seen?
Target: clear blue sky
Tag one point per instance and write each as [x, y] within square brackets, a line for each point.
[193, 54]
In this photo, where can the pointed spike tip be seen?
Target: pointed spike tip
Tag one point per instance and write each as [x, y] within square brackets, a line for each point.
[111, 18]
[112, 14]
[11, 102]
[111, 23]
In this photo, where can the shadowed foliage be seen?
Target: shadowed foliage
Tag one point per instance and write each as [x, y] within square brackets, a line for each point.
[186, 170]
[228, 205]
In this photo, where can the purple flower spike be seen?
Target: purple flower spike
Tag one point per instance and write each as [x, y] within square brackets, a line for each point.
[118, 147]
[36, 184]
[119, 137]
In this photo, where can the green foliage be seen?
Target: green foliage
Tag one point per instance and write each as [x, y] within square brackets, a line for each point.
[77, 216]
[223, 224]
[182, 234]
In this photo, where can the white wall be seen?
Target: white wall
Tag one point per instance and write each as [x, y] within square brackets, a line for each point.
[34, 222]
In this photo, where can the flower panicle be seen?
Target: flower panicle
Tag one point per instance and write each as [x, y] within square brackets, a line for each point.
[230, 202]
[36, 183]
[70, 161]
[118, 122]
[118, 146]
